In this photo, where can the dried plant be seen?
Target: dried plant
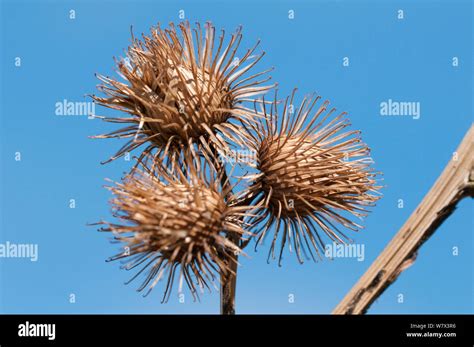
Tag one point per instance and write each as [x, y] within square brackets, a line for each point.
[182, 91]
[310, 170]
[172, 222]
[177, 211]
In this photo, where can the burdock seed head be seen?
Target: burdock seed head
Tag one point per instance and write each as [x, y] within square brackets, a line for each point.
[313, 176]
[182, 87]
[171, 224]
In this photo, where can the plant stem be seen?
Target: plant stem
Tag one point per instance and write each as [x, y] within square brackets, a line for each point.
[228, 283]
[229, 279]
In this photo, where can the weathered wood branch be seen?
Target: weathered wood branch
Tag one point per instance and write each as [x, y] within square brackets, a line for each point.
[455, 183]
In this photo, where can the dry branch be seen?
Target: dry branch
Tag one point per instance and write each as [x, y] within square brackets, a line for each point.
[455, 183]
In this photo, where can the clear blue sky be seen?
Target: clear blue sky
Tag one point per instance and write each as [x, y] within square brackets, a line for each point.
[404, 60]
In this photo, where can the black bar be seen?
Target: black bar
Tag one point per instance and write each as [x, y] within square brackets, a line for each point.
[172, 330]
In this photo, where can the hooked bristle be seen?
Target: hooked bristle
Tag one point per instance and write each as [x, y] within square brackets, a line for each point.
[313, 176]
[179, 91]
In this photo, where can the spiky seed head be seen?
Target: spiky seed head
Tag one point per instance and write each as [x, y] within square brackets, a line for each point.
[181, 89]
[284, 162]
[313, 176]
[172, 223]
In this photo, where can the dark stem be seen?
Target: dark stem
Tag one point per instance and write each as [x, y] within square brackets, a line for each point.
[229, 282]
[229, 278]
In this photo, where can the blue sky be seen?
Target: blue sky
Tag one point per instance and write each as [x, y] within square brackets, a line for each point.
[409, 59]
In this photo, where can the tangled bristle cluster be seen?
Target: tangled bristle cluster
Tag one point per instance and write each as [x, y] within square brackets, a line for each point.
[185, 94]
[174, 226]
[312, 174]
[179, 91]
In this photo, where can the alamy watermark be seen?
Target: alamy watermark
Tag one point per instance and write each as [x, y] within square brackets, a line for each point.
[28, 329]
[74, 108]
[400, 108]
[245, 156]
[19, 250]
[338, 250]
